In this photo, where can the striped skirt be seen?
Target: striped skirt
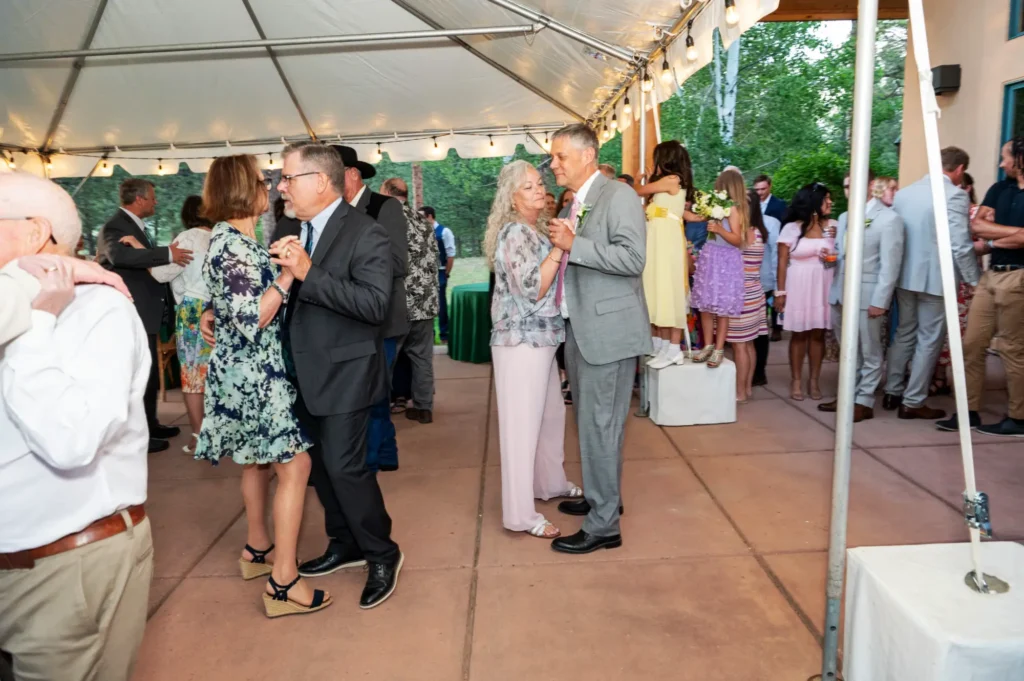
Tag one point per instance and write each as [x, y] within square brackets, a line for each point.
[753, 321]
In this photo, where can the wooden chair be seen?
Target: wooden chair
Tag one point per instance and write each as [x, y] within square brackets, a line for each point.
[164, 351]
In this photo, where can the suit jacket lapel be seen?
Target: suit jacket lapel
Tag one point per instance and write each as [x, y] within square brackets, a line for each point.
[331, 230]
[140, 233]
[364, 201]
[594, 194]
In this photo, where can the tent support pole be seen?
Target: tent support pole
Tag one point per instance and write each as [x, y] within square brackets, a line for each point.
[490, 62]
[86, 178]
[568, 31]
[644, 409]
[860, 152]
[280, 71]
[76, 69]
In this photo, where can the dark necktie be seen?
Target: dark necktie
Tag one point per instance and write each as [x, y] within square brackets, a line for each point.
[309, 238]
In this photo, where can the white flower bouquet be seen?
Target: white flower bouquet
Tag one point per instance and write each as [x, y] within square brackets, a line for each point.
[711, 206]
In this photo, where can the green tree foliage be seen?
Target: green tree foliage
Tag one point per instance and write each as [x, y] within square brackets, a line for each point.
[793, 120]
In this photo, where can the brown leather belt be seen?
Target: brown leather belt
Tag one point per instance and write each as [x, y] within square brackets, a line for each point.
[104, 528]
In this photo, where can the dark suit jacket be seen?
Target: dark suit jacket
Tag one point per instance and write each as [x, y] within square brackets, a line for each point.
[336, 316]
[388, 213]
[133, 265]
[776, 208]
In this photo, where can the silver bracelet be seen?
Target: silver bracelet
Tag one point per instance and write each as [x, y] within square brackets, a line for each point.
[280, 289]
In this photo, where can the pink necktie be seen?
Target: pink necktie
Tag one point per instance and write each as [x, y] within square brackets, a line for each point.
[560, 288]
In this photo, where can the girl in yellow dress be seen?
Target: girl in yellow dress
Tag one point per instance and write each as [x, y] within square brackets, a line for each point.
[666, 273]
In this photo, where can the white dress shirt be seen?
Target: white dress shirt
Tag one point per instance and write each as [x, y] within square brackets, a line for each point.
[188, 280]
[359, 195]
[318, 223]
[18, 289]
[764, 204]
[579, 200]
[73, 433]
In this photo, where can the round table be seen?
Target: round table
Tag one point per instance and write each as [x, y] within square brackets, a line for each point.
[469, 333]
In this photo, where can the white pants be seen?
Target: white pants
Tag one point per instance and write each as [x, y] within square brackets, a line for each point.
[531, 430]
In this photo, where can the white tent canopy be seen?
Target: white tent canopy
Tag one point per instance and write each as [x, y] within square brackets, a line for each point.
[530, 69]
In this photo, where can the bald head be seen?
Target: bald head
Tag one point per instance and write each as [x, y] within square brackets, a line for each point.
[395, 187]
[36, 216]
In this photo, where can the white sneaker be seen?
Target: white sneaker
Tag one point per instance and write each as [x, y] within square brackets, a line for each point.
[674, 356]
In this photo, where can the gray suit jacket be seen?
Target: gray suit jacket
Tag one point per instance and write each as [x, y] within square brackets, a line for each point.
[883, 258]
[603, 286]
[388, 213]
[921, 255]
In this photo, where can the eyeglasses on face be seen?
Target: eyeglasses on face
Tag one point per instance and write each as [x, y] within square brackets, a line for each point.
[287, 179]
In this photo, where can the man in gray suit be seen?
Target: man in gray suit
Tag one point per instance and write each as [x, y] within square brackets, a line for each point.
[599, 290]
[882, 259]
[922, 323]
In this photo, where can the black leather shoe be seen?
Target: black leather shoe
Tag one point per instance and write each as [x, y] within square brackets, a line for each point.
[758, 381]
[158, 445]
[891, 402]
[580, 507]
[582, 542]
[161, 432]
[328, 564]
[412, 413]
[426, 416]
[381, 583]
[388, 467]
[951, 425]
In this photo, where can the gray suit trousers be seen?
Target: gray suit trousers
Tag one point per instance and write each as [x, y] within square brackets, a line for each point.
[601, 397]
[419, 348]
[918, 342]
[869, 354]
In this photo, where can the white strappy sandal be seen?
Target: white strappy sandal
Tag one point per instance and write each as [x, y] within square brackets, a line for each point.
[542, 530]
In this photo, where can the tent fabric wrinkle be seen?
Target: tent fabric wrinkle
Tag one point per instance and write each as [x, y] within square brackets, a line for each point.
[132, 108]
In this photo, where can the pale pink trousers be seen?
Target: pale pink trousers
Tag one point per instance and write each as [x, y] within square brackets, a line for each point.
[531, 429]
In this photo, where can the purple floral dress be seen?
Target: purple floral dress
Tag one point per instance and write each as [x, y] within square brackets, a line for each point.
[718, 281]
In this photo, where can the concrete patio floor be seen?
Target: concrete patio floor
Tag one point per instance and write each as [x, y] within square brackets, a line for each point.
[721, 576]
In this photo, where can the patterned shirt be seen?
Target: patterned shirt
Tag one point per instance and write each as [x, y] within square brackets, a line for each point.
[421, 279]
[518, 317]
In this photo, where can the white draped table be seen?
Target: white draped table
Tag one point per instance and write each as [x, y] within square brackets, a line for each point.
[911, 617]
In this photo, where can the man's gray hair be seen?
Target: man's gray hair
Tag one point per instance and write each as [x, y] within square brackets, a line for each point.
[323, 159]
[133, 189]
[581, 136]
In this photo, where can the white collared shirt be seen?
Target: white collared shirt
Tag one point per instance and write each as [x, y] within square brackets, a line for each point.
[73, 433]
[318, 223]
[579, 200]
[359, 195]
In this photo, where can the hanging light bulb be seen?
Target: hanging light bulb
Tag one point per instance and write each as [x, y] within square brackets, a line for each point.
[691, 48]
[685, 4]
[626, 108]
[49, 163]
[271, 160]
[666, 73]
[491, 137]
[732, 17]
[380, 154]
[160, 168]
[104, 165]
[648, 83]
[606, 133]
[615, 122]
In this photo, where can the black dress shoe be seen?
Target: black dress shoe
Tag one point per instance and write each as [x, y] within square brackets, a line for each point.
[381, 583]
[582, 542]
[158, 445]
[412, 413]
[329, 563]
[388, 467]
[580, 507]
[426, 416]
[162, 432]
[891, 402]
[758, 381]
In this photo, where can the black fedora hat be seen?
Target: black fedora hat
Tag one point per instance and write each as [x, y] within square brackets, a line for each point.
[351, 160]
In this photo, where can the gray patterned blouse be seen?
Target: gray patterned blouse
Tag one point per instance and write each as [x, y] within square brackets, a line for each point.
[516, 314]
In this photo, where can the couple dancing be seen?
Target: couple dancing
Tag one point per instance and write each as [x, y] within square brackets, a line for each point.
[302, 406]
[575, 278]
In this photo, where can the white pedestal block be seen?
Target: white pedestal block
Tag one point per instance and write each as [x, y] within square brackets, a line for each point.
[911, 617]
[692, 394]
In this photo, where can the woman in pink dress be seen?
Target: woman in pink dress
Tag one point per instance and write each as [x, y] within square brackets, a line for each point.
[806, 267]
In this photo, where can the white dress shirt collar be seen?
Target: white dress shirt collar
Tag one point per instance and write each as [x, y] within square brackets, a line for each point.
[319, 221]
[359, 195]
[581, 195]
[136, 219]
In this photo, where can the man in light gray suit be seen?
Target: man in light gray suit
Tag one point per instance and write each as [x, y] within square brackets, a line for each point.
[922, 324]
[882, 260]
[600, 292]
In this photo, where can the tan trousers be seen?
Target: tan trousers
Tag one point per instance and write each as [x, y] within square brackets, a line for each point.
[79, 615]
[997, 308]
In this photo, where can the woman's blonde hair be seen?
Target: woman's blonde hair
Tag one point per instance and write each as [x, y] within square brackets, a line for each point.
[731, 181]
[880, 185]
[503, 210]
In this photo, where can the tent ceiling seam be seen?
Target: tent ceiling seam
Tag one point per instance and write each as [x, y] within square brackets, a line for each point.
[280, 71]
[490, 62]
[69, 84]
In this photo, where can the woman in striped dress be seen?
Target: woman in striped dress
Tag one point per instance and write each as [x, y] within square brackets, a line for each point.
[743, 330]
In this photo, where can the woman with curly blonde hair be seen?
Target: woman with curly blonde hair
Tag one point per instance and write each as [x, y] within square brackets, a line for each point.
[527, 329]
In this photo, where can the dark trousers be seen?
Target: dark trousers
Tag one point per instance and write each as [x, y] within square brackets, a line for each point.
[357, 522]
[761, 345]
[401, 379]
[152, 385]
[383, 447]
[442, 313]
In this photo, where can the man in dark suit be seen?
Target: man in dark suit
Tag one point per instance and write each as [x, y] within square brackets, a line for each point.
[336, 313]
[138, 201]
[773, 207]
[382, 450]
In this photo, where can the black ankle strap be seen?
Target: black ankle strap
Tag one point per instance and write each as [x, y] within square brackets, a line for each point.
[257, 555]
[281, 592]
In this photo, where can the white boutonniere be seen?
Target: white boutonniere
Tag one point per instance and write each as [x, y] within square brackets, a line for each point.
[581, 216]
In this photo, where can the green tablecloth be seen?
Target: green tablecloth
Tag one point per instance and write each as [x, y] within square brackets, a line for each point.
[469, 335]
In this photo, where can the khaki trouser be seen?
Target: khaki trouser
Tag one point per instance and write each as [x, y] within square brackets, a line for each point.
[79, 615]
[997, 308]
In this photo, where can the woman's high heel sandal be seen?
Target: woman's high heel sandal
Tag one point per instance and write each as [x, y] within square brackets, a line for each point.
[258, 566]
[716, 359]
[278, 605]
[704, 355]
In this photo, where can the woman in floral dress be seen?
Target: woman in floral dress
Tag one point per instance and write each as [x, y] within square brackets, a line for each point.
[249, 397]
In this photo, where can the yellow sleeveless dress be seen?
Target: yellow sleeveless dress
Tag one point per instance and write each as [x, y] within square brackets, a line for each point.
[666, 276]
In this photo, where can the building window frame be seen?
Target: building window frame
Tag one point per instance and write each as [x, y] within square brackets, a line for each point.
[1016, 27]
[1011, 93]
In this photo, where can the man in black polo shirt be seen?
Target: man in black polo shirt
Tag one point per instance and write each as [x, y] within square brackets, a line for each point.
[998, 304]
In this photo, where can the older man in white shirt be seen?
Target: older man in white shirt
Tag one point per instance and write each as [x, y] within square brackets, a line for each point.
[76, 554]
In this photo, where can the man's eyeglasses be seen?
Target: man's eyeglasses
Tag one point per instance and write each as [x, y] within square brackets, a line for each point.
[52, 240]
[287, 179]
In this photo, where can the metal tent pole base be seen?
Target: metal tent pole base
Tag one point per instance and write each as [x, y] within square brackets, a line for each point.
[986, 585]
